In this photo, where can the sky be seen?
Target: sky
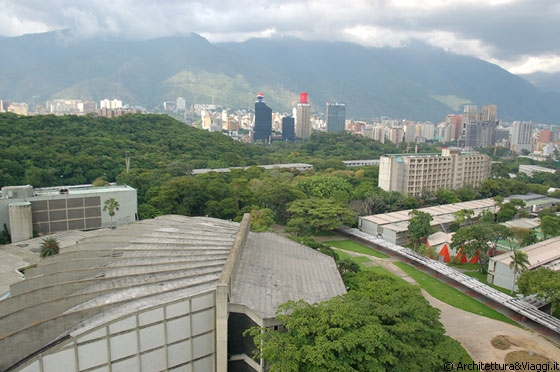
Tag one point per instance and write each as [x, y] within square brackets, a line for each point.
[521, 36]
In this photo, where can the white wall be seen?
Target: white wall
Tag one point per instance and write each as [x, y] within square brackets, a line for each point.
[179, 336]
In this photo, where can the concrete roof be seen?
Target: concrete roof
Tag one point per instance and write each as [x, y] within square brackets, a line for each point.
[20, 255]
[441, 213]
[273, 270]
[526, 223]
[545, 253]
[102, 275]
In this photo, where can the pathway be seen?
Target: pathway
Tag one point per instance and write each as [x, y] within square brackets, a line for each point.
[474, 331]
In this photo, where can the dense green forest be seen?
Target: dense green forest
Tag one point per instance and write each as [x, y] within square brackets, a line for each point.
[68, 150]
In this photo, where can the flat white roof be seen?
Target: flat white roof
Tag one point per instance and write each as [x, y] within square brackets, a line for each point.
[440, 213]
[545, 253]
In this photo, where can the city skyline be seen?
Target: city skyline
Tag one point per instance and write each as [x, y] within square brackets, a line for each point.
[503, 32]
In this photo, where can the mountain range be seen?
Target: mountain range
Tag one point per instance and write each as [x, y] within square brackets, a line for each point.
[418, 82]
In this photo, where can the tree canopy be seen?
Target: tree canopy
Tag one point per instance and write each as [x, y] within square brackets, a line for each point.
[381, 324]
[419, 227]
[544, 283]
[479, 239]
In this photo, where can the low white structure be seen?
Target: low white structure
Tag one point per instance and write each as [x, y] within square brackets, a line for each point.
[65, 208]
[541, 254]
[393, 227]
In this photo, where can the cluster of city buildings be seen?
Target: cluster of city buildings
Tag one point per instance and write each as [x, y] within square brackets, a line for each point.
[107, 108]
[299, 124]
[473, 128]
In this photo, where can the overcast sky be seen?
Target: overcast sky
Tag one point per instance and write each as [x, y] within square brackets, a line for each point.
[521, 36]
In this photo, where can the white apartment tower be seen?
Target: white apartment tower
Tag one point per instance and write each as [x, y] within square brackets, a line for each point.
[416, 174]
[522, 136]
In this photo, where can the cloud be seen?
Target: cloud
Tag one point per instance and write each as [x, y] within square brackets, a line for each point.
[520, 35]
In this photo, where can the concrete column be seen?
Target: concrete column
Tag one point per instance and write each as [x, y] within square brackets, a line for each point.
[21, 226]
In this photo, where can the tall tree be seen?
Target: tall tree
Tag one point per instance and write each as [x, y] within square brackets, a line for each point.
[550, 226]
[519, 263]
[544, 283]
[479, 238]
[314, 214]
[419, 227]
[381, 324]
[111, 206]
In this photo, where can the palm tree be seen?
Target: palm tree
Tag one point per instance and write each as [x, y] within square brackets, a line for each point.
[111, 206]
[49, 247]
[519, 263]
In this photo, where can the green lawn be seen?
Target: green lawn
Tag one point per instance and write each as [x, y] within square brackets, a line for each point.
[483, 277]
[350, 245]
[362, 260]
[452, 296]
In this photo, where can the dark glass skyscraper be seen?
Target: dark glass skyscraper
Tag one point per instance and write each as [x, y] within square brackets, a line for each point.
[336, 117]
[263, 120]
[288, 128]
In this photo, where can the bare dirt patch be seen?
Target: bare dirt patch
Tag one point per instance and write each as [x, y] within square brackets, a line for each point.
[502, 342]
[521, 358]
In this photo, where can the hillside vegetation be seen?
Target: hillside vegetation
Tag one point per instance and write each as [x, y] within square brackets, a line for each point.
[416, 82]
[70, 150]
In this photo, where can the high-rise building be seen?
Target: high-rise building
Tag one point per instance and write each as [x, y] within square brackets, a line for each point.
[546, 135]
[181, 104]
[288, 128]
[522, 136]
[303, 117]
[395, 135]
[415, 174]
[336, 117]
[489, 113]
[263, 120]
[470, 113]
[480, 134]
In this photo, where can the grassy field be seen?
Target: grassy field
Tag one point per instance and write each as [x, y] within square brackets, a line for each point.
[362, 262]
[350, 245]
[452, 296]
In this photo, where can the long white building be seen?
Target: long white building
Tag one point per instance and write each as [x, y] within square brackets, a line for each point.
[415, 174]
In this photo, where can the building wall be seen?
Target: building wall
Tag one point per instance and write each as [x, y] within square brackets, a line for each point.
[522, 136]
[500, 274]
[303, 120]
[177, 336]
[416, 174]
[336, 117]
[75, 210]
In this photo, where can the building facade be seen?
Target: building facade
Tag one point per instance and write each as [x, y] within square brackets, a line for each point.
[336, 117]
[58, 209]
[263, 120]
[303, 117]
[480, 134]
[522, 136]
[415, 174]
[288, 128]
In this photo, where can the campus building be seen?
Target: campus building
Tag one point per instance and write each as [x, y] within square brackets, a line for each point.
[541, 254]
[393, 227]
[26, 210]
[415, 174]
[173, 293]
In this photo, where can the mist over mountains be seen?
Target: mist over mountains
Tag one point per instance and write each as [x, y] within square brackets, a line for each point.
[418, 82]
